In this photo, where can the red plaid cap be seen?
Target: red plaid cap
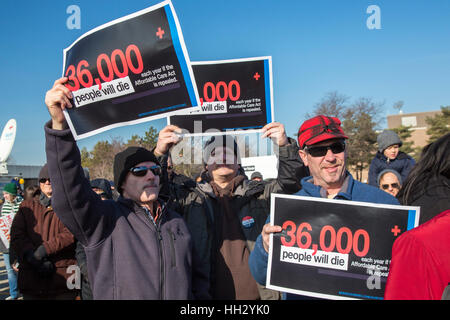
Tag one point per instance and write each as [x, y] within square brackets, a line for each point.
[318, 129]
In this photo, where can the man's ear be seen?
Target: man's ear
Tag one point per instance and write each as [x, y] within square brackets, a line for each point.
[303, 156]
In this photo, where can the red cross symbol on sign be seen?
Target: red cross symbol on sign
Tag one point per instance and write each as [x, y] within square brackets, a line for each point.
[395, 230]
[256, 76]
[160, 32]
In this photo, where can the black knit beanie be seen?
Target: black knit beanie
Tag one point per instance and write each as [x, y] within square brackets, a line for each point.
[127, 159]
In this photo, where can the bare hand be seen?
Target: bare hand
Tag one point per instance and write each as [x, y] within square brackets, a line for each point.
[265, 234]
[276, 132]
[166, 139]
[57, 99]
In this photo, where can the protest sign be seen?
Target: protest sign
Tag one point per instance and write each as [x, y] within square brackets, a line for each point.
[266, 165]
[131, 70]
[236, 97]
[334, 249]
[5, 228]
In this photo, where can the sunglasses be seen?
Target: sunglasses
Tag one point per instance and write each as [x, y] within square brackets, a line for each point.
[393, 185]
[321, 151]
[44, 180]
[142, 170]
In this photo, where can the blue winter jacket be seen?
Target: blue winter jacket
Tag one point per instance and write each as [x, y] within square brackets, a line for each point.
[355, 191]
[402, 164]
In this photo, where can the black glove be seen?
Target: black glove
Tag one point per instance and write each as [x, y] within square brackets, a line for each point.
[40, 253]
[255, 188]
[46, 268]
[29, 257]
[35, 257]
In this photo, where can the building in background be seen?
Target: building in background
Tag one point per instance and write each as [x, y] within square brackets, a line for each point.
[29, 173]
[417, 123]
[418, 127]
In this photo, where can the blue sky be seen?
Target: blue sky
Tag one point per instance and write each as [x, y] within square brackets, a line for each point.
[317, 46]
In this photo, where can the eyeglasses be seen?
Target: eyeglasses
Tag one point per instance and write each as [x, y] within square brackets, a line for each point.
[44, 180]
[393, 185]
[321, 151]
[142, 170]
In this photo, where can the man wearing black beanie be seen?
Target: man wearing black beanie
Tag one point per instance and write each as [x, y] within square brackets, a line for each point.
[125, 160]
[136, 247]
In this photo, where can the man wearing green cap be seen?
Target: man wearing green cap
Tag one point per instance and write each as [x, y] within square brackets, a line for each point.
[10, 207]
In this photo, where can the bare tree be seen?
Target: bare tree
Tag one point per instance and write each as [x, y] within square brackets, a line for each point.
[398, 105]
[359, 123]
[100, 159]
[333, 104]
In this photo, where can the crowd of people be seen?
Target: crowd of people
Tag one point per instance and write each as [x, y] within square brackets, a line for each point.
[161, 235]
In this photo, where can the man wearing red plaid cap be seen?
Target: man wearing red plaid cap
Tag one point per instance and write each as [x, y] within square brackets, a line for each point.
[324, 151]
[322, 148]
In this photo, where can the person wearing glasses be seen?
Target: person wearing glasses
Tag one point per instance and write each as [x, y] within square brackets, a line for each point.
[390, 181]
[226, 212]
[44, 247]
[322, 144]
[136, 247]
[389, 156]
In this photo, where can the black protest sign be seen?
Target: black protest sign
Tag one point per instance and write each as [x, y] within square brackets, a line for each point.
[235, 95]
[131, 70]
[334, 249]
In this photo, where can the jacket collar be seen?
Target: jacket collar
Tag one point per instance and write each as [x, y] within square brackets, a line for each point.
[13, 203]
[45, 201]
[134, 206]
[401, 155]
[313, 190]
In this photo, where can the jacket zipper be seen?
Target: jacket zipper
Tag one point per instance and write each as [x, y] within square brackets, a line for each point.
[161, 268]
[161, 255]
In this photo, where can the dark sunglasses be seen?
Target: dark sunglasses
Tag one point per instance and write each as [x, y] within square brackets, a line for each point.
[44, 180]
[393, 185]
[142, 170]
[321, 151]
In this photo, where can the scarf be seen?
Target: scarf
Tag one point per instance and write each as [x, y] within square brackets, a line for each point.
[233, 279]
